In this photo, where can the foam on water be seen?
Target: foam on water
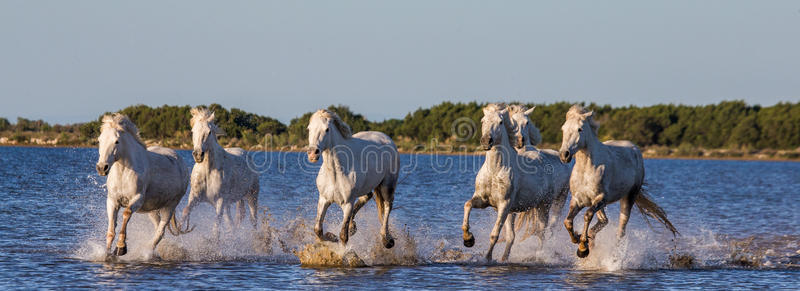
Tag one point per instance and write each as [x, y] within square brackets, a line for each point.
[291, 241]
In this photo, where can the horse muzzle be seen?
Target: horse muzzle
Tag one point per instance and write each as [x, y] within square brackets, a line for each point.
[313, 155]
[198, 156]
[487, 142]
[102, 169]
[565, 156]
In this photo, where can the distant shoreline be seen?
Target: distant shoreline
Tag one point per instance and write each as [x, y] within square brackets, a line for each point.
[647, 157]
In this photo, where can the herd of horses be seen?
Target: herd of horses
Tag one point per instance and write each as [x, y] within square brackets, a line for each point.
[515, 179]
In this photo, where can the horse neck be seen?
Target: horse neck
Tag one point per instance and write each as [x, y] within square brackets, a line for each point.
[215, 152]
[592, 148]
[133, 153]
[502, 155]
[332, 157]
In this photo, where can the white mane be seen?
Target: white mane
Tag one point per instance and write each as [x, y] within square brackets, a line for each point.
[122, 123]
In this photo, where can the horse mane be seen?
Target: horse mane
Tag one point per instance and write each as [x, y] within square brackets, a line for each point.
[577, 111]
[343, 128]
[121, 122]
[200, 114]
[533, 131]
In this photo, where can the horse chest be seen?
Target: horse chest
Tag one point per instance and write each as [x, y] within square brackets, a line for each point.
[586, 183]
[335, 186]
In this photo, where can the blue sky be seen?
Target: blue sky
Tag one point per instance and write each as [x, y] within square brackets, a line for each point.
[69, 61]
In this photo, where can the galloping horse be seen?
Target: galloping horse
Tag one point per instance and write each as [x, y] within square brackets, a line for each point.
[507, 181]
[151, 180]
[527, 137]
[220, 175]
[604, 173]
[354, 167]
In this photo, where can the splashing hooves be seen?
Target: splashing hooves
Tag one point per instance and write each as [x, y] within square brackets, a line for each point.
[582, 253]
[330, 237]
[388, 242]
[120, 251]
[469, 241]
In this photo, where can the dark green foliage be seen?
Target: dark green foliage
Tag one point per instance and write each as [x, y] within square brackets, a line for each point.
[4, 124]
[730, 124]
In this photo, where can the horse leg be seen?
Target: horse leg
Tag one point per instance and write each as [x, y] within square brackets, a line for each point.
[474, 202]
[542, 222]
[602, 221]
[574, 209]
[359, 203]
[388, 200]
[252, 203]
[502, 213]
[625, 206]
[583, 246]
[165, 214]
[155, 217]
[188, 209]
[112, 208]
[240, 212]
[509, 236]
[220, 209]
[322, 208]
[347, 215]
[229, 216]
[133, 206]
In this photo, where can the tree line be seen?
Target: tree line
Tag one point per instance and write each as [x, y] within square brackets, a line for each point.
[729, 124]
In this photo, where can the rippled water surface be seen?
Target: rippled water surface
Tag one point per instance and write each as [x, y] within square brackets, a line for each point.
[738, 222]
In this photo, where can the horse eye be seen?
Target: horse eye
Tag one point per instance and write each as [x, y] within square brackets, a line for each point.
[580, 129]
[327, 129]
[116, 142]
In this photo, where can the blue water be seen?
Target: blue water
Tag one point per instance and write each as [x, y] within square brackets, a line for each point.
[738, 222]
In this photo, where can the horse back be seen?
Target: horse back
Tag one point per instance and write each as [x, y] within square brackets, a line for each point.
[626, 166]
[168, 178]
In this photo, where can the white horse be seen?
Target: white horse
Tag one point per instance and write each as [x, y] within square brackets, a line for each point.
[507, 181]
[527, 137]
[151, 180]
[220, 175]
[603, 174]
[353, 168]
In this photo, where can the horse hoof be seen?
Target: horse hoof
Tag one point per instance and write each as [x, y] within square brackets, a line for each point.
[469, 241]
[330, 237]
[120, 251]
[388, 242]
[353, 229]
[582, 253]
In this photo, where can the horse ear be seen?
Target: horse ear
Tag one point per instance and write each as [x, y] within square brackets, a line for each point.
[211, 117]
[529, 111]
[587, 114]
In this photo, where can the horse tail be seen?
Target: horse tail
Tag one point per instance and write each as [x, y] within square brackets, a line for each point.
[527, 221]
[175, 228]
[649, 208]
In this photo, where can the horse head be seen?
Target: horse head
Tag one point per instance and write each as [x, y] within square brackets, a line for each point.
[204, 132]
[524, 131]
[323, 127]
[495, 125]
[112, 141]
[577, 129]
